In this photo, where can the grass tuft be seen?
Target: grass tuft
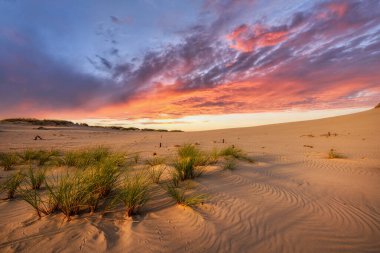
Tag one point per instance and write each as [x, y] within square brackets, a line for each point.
[155, 173]
[8, 160]
[189, 161]
[236, 153]
[334, 155]
[179, 195]
[12, 184]
[36, 177]
[68, 194]
[230, 164]
[86, 158]
[98, 183]
[36, 201]
[134, 193]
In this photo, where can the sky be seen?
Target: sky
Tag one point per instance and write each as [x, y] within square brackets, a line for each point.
[189, 64]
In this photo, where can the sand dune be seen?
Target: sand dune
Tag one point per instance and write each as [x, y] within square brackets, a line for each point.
[292, 199]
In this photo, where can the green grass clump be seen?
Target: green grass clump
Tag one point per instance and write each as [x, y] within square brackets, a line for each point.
[44, 156]
[179, 195]
[68, 195]
[36, 201]
[236, 153]
[188, 150]
[86, 158]
[36, 177]
[12, 184]
[213, 156]
[230, 164]
[8, 160]
[186, 168]
[155, 173]
[187, 165]
[28, 155]
[41, 156]
[98, 183]
[134, 193]
[333, 154]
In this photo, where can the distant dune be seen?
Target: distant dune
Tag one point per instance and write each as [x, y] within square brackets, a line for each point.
[292, 199]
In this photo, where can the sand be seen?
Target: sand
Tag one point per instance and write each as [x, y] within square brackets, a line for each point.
[292, 199]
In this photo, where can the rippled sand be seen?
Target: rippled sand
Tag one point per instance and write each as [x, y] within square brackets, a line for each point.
[293, 199]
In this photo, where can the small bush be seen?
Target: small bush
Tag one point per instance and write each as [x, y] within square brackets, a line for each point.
[235, 153]
[179, 195]
[8, 160]
[12, 184]
[134, 193]
[36, 177]
[333, 154]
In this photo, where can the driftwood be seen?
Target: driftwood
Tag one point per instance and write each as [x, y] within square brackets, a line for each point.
[37, 137]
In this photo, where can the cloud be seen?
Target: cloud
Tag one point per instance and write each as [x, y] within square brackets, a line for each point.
[326, 56]
[247, 39]
[31, 81]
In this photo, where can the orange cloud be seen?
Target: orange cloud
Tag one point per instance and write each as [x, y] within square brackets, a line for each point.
[247, 39]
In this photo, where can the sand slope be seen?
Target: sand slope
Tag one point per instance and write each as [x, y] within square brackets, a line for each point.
[292, 199]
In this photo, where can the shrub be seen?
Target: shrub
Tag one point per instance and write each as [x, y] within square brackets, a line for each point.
[235, 153]
[8, 160]
[12, 184]
[179, 195]
[134, 193]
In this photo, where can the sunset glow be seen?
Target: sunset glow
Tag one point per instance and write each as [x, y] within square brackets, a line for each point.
[188, 65]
